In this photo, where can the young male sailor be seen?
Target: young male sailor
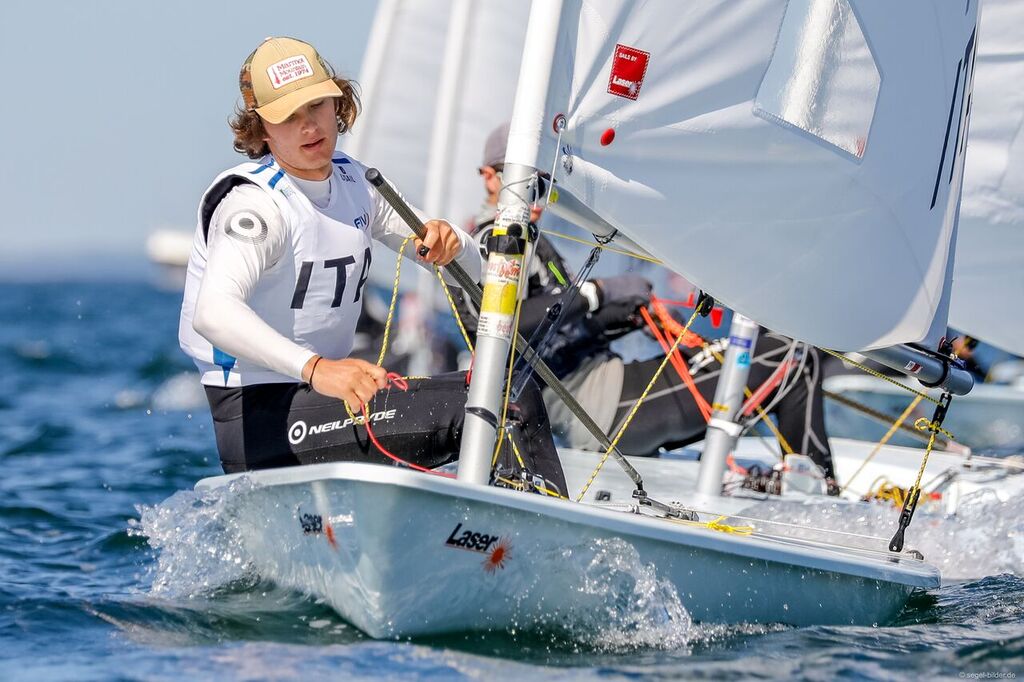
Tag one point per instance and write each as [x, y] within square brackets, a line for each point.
[275, 282]
[607, 387]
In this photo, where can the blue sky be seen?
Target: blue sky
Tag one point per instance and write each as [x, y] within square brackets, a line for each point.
[114, 117]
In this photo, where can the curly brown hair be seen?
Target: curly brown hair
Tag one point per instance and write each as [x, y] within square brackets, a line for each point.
[250, 134]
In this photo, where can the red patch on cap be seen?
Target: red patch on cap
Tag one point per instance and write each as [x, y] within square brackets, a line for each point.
[629, 66]
[607, 137]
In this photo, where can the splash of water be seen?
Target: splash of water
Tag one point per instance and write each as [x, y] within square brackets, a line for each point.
[197, 544]
[635, 609]
[984, 537]
[180, 392]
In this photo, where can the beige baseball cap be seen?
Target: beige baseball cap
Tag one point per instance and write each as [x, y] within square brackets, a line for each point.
[281, 75]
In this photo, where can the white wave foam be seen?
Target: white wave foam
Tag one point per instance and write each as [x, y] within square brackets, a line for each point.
[179, 393]
[630, 606]
[198, 548]
[985, 536]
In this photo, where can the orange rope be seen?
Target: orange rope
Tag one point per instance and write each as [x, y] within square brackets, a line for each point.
[678, 363]
[671, 326]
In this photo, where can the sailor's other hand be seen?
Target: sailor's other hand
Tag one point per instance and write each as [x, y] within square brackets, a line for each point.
[614, 319]
[624, 290]
[354, 381]
[440, 245]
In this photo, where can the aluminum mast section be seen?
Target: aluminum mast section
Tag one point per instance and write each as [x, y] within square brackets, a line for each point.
[503, 276]
[723, 429]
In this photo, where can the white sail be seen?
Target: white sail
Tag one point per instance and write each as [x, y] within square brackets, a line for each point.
[413, 72]
[988, 284]
[799, 160]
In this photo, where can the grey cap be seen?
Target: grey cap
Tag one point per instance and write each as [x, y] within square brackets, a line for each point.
[494, 148]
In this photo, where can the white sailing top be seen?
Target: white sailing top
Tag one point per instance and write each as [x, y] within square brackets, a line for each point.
[275, 278]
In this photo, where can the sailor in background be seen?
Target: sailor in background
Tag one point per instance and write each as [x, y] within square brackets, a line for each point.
[607, 387]
[275, 286]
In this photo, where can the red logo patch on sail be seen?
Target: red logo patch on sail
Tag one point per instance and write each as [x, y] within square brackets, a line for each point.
[629, 65]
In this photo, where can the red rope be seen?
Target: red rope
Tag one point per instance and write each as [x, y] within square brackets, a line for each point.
[401, 384]
[769, 385]
[672, 327]
[733, 466]
[658, 302]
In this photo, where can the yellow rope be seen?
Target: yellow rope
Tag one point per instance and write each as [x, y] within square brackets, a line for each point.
[879, 375]
[631, 254]
[925, 424]
[885, 439]
[387, 324]
[717, 524]
[888, 492]
[391, 315]
[391, 306]
[922, 424]
[454, 307]
[636, 405]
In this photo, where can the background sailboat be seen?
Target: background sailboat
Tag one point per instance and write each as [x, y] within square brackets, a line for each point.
[429, 99]
[437, 77]
[989, 273]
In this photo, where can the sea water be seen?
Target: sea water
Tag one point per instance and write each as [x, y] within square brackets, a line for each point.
[112, 567]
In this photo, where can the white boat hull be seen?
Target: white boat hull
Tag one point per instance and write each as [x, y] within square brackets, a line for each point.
[379, 544]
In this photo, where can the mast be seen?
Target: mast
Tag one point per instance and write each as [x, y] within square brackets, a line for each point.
[724, 429]
[494, 330]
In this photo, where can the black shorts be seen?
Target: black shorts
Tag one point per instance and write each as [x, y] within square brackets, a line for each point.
[274, 425]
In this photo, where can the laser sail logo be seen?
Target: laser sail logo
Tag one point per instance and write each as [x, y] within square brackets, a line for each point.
[629, 67]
